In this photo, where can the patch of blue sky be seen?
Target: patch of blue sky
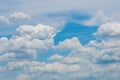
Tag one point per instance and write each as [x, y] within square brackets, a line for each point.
[41, 56]
[7, 31]
[70, 30]
[82, 32]
[80, 16]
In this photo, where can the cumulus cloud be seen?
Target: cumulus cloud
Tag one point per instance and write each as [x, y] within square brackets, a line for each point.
[108, 30]
[93, 60]
[109, 47]
[27, 42]
[69, 45]
[41, 13]
[97, 60]
[38, 31]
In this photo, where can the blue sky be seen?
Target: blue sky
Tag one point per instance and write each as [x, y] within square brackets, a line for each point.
[59, 40]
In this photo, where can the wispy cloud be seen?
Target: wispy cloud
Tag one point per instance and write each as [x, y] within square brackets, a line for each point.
[102, 18]
[16, 16]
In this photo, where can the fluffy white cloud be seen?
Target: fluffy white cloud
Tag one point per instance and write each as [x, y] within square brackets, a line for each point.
[94, 60]
[109, 45]
[96, 57]
[108, 30]
[70, 44]
[39, 31]
[16, 44]
[89, 60]
[99, 60]
[27, 43]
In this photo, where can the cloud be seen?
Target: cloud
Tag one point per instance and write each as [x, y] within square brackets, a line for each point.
[27, 42]
[39, 31]
[37, 70]
[7, 57]
[13, 17]
[41, 12]
[56, 6]
[56, 57]
[69, 45]
[53, 67]
[4, 20]
[108, 30]
[100, 18]
[75, 63]
[20, 15]
[65, 60]
[96, 59]
[20, 54]
[23, 77]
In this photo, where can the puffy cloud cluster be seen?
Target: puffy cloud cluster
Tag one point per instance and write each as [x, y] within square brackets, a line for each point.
[97, 60]
[39, 31]
[27, 42]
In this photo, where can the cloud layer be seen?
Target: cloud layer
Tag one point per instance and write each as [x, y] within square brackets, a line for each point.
[97, 60]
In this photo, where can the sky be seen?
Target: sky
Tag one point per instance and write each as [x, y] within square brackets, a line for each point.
[59, 39]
